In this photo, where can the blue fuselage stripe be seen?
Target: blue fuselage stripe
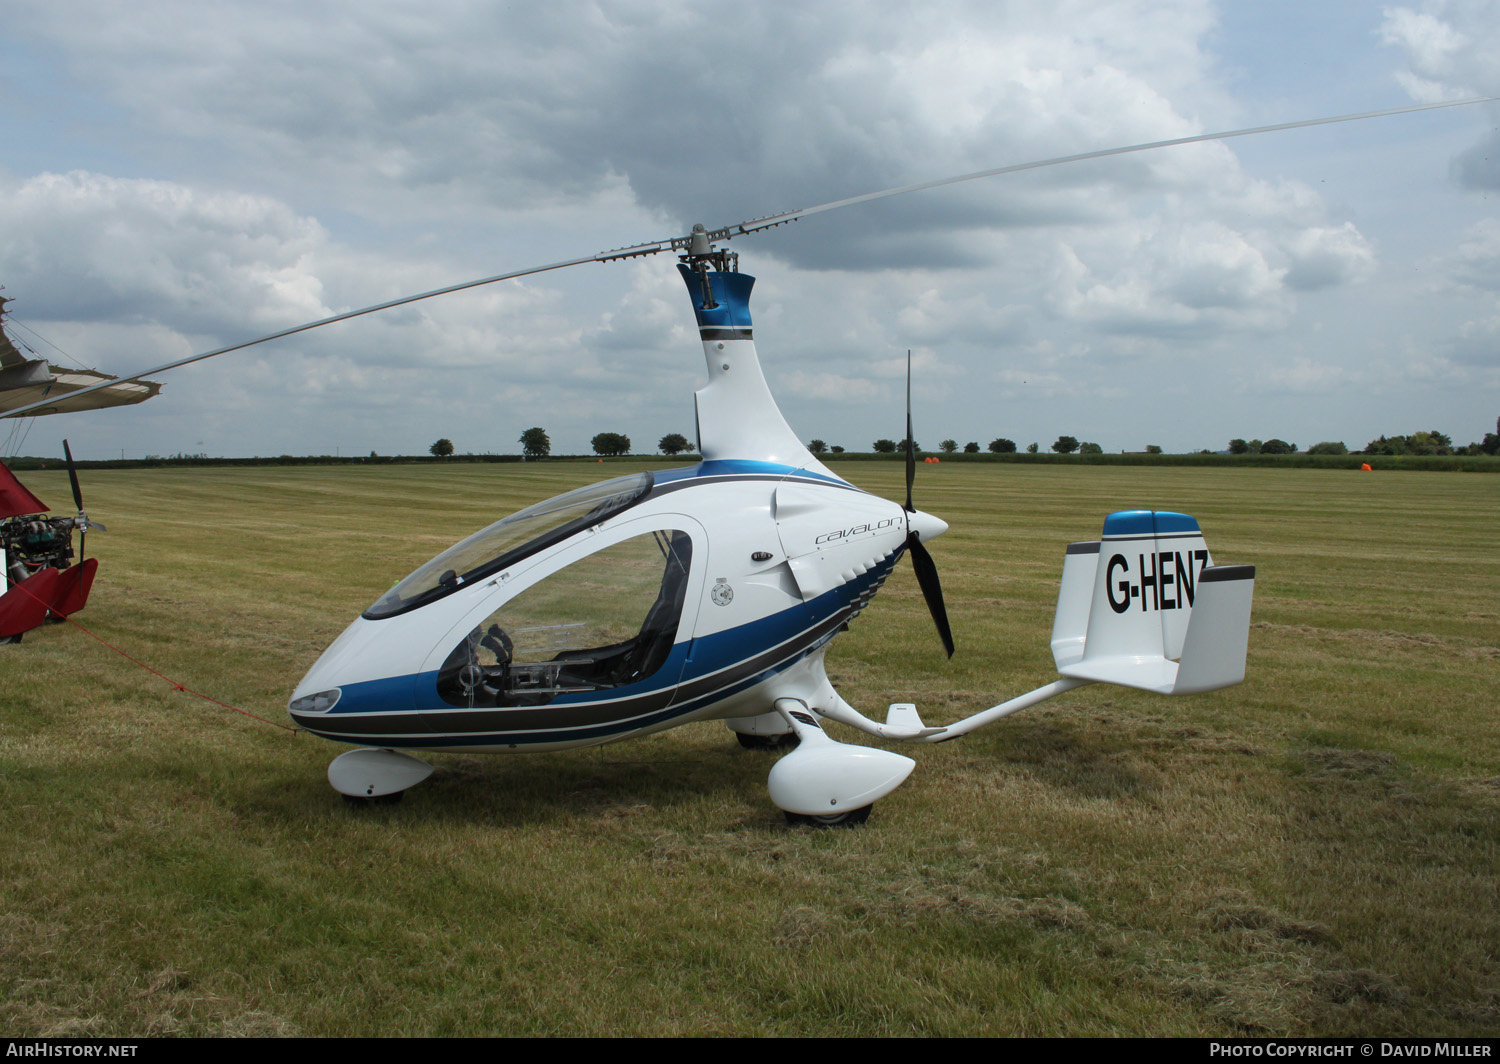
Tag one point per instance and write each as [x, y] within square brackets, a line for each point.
[697, 673]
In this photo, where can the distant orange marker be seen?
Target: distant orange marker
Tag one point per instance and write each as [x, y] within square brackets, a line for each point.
[1366, 467]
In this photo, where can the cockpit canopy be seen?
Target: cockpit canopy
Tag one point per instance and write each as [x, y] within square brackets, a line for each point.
[509, 540]
[607, 620]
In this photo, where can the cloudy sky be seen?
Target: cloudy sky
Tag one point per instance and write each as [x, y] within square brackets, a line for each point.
[176, 176]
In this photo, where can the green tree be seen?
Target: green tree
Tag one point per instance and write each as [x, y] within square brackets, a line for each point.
[1491, 444]
[837, 449]
[535, 444]
[949, 446]
[1152, 448]
[611, 443]
[1275, 446]
[817, 446]
[1031, 448]
[1431, 442]
[915, 446]
[884, 446]
[971, 447]
[1066, 444]
[673, 443]
[1090, 448]
[441, 449]
[1003, 446]
[1328, 447]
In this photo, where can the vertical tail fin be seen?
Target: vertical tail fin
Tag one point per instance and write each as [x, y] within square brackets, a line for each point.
[1213, 655]
[1155, 597]
[1070, 624]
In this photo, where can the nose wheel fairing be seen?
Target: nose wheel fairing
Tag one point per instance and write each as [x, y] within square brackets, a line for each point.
[370, 773]
[825, 779]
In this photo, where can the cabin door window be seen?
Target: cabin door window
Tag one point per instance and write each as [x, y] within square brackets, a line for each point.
[608, 620]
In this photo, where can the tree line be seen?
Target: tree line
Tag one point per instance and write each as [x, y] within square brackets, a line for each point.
[536, 444]
[1430, 442]
[1062, 445]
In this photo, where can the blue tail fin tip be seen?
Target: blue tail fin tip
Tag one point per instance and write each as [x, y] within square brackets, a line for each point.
[1148, 522]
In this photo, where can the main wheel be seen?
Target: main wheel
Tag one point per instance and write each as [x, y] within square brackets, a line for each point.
[379, 799]
[847, 819]
[784, 741]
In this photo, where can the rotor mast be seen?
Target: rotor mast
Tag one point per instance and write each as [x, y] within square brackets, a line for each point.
[737, 417]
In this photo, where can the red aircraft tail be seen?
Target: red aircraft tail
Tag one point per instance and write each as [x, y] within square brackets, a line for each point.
[26, 604]
[14, 498]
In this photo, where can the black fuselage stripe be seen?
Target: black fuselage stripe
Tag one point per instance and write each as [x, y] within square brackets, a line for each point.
[1153, 535]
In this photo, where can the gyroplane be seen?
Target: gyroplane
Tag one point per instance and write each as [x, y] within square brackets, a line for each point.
[714, 592]
[41, 581]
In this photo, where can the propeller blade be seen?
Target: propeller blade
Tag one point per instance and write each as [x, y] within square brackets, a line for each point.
[921, 560]
[700, 239]
[911, 446]
[932, 588]
[73, 477]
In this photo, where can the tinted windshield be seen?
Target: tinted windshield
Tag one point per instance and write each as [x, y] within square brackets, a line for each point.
[509, 540]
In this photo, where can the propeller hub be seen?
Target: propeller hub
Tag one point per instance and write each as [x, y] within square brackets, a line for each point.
[926, 527]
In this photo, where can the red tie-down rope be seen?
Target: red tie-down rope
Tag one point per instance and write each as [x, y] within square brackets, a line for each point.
[175, 685]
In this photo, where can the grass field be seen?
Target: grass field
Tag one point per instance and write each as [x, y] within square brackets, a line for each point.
[1314, 852]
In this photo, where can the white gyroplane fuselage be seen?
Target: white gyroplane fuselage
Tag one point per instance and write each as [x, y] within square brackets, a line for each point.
[712, 592]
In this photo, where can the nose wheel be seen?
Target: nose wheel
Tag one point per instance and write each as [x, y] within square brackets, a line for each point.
[383, 799]
[767, 743]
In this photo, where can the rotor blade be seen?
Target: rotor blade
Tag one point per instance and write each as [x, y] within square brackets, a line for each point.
[73, 477]
[911, 446]
[932, 588]
[603, 256]
[791, 216]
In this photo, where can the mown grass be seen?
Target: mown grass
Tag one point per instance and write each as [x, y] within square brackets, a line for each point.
[1315, 852]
